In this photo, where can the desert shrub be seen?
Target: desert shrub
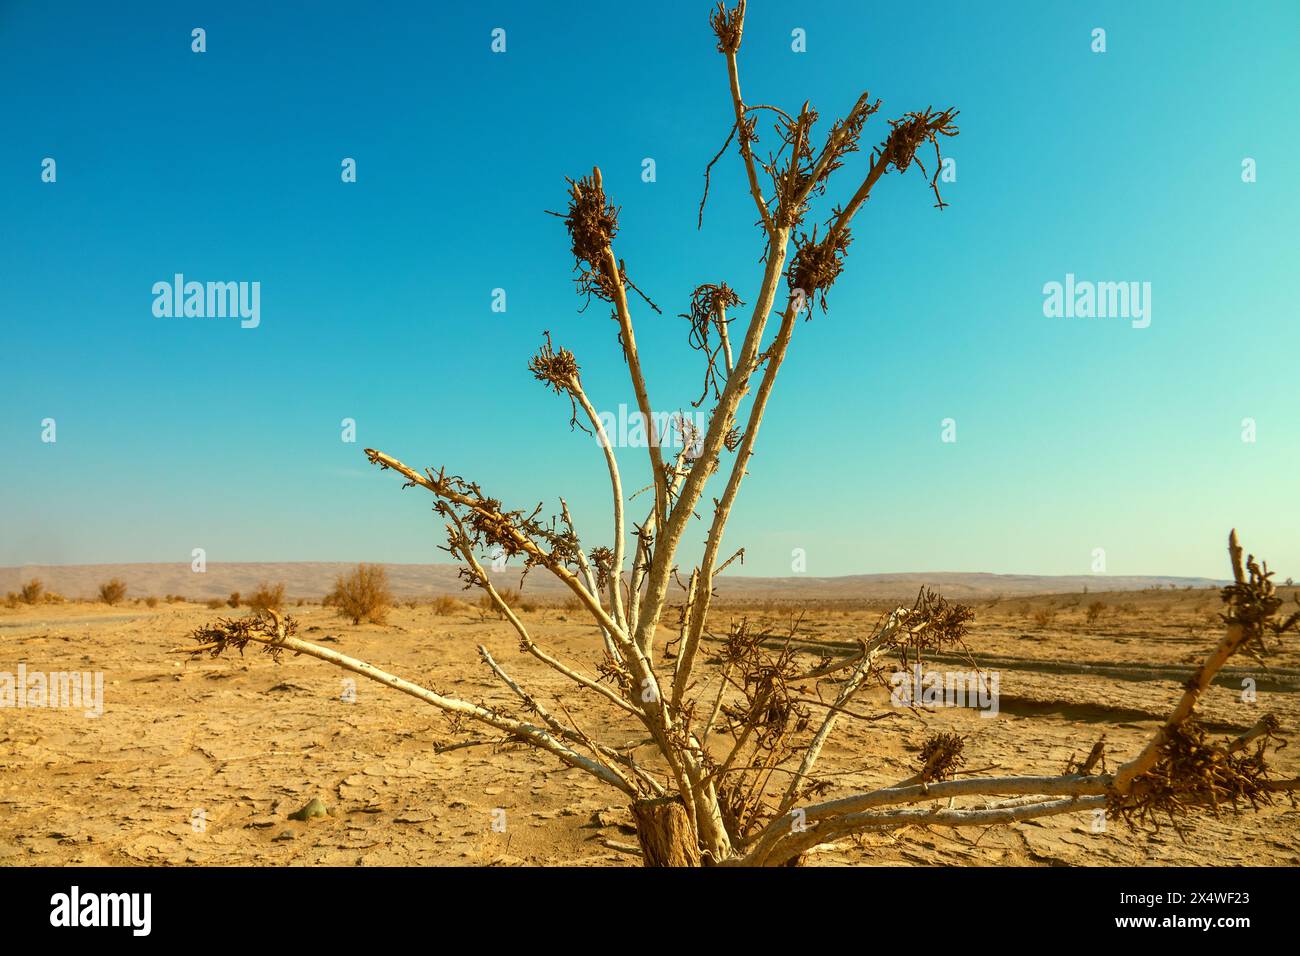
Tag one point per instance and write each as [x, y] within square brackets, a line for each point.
[1094, 611]
[362, 593]
[32, 591]
[113, 591]
[301, 601]
[445, 605]
[12, 599]
[486, 605]
[53, 597]
[214, 603]
[267, 597]
[234, 600]
[151, 601]
[1044, 616]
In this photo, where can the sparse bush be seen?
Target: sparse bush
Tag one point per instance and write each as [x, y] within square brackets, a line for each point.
[151, 601]
[363, 593]
[214, 603]
[12, 599]
[267, 597]
[234, 599]
[112, 592]
[1044, 617]
[445, 605]
[1094, 611]
[52, 597]
[32, 591]
[486, 605]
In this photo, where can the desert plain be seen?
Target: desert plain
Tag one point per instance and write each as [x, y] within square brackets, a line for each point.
[201, 761]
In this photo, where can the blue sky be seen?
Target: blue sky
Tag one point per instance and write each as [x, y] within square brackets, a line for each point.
[1073, 434]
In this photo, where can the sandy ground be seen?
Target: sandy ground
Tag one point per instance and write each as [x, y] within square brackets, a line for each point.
[201, 761]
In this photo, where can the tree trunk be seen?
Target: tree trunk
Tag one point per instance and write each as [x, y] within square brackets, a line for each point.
[664, 831]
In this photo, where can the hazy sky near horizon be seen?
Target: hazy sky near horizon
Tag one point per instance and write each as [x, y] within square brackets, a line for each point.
[375, 297]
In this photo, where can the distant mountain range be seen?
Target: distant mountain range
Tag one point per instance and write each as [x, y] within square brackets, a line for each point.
[315, 579]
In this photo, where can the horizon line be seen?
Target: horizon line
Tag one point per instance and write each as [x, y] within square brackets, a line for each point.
[1101, 576]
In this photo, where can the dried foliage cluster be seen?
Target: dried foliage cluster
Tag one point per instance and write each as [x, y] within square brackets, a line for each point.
[1191, 771]
[227, 633]
[361, 594]
[731, 725]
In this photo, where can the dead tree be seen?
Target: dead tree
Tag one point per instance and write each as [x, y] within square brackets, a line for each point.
[734, 780]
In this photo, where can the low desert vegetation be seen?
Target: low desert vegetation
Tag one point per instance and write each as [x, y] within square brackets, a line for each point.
[512, 599]
[33, 592]
[362, 594]
[735, 728]
[112, 591]
[267, 597]
[444, 605]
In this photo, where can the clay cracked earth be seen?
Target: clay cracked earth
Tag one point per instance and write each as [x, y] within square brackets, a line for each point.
[245, 741]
